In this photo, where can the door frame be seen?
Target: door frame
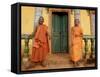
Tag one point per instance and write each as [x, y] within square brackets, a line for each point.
[68, 12]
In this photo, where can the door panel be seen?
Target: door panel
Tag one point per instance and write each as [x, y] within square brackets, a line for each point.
[59, 32]
[56, 33]
[64, 33]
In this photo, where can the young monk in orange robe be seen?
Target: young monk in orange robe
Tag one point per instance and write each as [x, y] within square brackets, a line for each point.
[76, 53]
[40, 47]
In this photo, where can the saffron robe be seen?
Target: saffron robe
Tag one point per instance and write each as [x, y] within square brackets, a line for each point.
[77, 45]
[40, 46]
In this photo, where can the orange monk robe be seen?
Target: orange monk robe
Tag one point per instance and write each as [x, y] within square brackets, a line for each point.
[76, 53]
[40, 45]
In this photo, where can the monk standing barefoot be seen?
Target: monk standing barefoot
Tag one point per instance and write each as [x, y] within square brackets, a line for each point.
[40, 47]
[76, 53]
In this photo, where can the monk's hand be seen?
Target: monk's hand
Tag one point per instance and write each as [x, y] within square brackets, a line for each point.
[72, 44]
[76, 35]
[32, 35]
[49, 37]
[41, 44]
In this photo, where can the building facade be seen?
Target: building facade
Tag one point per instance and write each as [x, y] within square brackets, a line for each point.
[59, 22]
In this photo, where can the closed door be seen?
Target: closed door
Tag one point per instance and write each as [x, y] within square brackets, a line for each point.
[59, 32]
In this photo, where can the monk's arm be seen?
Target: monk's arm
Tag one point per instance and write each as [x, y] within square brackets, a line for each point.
[32, 35]
[72, 36]
[48, 34]
[81, 33]
[72, 33]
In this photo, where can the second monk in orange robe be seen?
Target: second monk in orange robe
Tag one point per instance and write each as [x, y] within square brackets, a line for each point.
[76, 33]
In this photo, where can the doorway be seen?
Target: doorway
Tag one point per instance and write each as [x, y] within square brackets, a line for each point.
[59, 32]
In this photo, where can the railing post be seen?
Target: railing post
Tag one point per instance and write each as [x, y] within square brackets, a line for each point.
[26, 48]
[91, 58]
[86, 47]
[25, 57]
[92, 48]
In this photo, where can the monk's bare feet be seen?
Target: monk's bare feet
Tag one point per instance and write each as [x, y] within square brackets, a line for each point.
[43, 64]
[30, 65]
[33, 64]
[76, 64]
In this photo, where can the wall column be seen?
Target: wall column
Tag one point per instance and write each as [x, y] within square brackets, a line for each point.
[92, 22]
[77, 14]
[38, 13]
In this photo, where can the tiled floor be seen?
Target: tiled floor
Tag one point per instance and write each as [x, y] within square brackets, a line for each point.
[56, 61]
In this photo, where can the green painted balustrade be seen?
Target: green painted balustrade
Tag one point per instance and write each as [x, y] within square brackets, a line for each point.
[26, 38]
[86, 38]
